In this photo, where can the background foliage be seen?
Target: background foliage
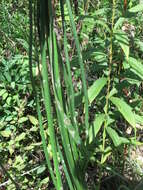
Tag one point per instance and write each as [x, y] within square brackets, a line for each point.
[94, 104]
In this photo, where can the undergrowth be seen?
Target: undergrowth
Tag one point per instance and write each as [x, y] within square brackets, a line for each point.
[72, 118]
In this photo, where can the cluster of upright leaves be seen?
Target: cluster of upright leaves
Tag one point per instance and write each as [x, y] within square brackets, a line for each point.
[112, 53]
[19, 134]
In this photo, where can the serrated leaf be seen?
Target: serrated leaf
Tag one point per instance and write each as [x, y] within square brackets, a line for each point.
[94, 129]
[11, 149]
[136, 9]
[123, 41]
[95, 89]
[125, 110]
[33, 120]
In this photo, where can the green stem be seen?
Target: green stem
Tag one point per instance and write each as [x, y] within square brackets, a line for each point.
[108, 88]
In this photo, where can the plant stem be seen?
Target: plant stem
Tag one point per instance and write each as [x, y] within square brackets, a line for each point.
[109, 78]
[108, 89]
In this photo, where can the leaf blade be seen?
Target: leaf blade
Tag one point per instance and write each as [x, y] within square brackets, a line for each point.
[125, 110]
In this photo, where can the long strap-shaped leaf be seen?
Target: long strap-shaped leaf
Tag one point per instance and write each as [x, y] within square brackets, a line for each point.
[36, 97]
[47, 98]
[68, 82]
[80, 62]
[63, 121]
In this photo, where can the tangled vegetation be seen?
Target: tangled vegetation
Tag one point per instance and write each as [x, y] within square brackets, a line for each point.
[71, 91]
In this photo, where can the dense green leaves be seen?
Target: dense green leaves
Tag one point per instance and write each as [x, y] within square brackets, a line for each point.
[81, 55]
[137, 8]
[137, 66]
[123, 41]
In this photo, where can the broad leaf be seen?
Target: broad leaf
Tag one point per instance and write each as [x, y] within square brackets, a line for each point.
[94, 129]
[117, 140]
[114, 136]
[139, 119]
[136, 65]
[123, 41]
[22, 119]
[136, 9]
[103, 24]
[95, 89]
[41, 169]
[33, 120]
[2, 92]
[125, 110]
[107, 153]
[20, 137]
[6, 133]
[119, 22]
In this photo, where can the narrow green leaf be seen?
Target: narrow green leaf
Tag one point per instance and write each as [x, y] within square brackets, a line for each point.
[125, 110]
[80, 60]
[95, 89]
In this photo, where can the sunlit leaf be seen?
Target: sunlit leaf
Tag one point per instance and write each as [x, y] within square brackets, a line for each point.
[94, 129]
[136, 9]
[123, 41]
[6, 133]
[22, 119]
[119, 23]
[114, 136]
[95, 89]
[125, 110]
[136, 65]
[20, 137]
[33, 120]
[41, 169]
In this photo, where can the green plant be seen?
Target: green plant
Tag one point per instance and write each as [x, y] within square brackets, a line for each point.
[85, 62]
[66, 134]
